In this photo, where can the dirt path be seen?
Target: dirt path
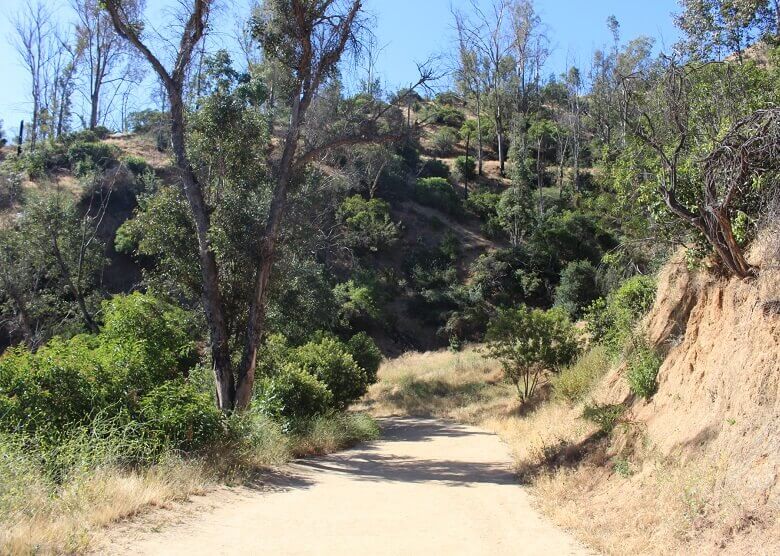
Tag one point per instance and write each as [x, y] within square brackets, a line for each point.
[426, 488]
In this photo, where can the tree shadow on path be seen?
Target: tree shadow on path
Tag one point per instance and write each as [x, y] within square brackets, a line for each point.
[373, 463]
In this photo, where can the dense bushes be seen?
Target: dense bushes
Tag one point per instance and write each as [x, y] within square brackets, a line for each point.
[437, 193]
[68, 382]
[434, 168]
[444, 141]
[446, 115]
[137, 165]
[84, 156]
[465, 168]
[368, 225]
[292, 396]
[322, 375]
[366, 354]
[80, 152]
[180, 416]
[330, 362]
[611, 321]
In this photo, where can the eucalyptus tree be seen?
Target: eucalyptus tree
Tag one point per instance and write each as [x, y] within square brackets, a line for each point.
[306, 39]
[717, 29]
[35, 43]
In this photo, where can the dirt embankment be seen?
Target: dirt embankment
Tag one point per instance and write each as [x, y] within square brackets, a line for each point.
[707, 445]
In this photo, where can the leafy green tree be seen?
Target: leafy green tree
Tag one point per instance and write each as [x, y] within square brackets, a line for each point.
[515, 212]
[306, 52]
[530, 342]
[719, 28]
[52, 260]
[577, 288]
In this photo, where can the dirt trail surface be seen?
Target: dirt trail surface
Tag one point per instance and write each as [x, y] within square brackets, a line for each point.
[426, 487]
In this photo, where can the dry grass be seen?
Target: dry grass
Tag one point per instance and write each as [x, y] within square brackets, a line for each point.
[617, 493]
[67, 519]
[42, 515]
[463, 386]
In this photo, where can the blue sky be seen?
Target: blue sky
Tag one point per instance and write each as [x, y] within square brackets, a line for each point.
[410, 31]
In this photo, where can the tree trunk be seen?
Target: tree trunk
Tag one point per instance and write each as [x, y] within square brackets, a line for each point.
[212, 298]
[479, 135]
[94, 108]
[257, 311]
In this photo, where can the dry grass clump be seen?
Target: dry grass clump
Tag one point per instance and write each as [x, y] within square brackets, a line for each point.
[462, 385]
[64, 518]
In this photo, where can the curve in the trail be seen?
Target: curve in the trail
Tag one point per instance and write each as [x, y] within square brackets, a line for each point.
[426, 487]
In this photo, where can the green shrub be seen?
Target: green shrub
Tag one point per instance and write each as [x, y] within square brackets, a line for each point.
[612, 321]
[483, 203]
[642, 371]
[66, 383]
[368, 223]
[291, 396]
[574, 382]
[59, 386]
[358, 302]
[605, 416]
[570, 236]
[439, 194]
[161, 332]
[273, 356]
[82, 154]
[45, 158]
[444, 114]
[444, 141]
[366, 354]
[137, 165]
[101, 132]
[83, 136]
[465, 168]
[330, 362]
[529, 342]
[577, 288]
[623, 468]
[434, 168]
[181, 416]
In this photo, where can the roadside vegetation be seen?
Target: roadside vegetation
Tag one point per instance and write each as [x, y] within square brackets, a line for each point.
[195, 291]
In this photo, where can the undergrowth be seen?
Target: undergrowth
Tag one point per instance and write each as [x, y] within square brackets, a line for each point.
[55, 499]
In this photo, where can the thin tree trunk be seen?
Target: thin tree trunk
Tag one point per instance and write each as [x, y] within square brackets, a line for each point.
[89, 322]
[212, 298]
[257, 310]
[479, 134]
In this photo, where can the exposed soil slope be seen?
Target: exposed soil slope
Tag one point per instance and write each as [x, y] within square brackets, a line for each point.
[426, 488]
[702, 457]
